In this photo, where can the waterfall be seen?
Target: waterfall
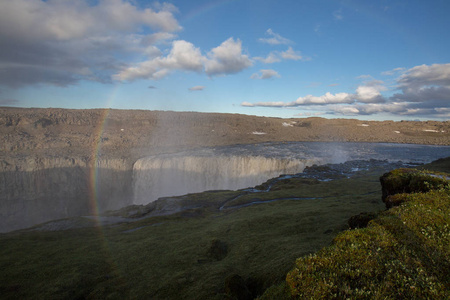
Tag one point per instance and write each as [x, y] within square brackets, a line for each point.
[173, 175]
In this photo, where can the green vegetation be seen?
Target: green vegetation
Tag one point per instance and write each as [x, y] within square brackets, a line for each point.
[207, 253]
[402, 254]
[194, 254]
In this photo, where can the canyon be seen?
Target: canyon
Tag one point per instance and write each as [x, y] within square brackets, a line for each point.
[58, 163]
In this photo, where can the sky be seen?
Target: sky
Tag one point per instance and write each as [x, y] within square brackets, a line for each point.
[363, 59]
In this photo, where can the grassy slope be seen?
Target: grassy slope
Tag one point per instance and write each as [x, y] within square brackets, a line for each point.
[403, 254]
[167, 257]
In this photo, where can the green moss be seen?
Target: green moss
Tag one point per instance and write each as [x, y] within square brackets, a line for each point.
[409, 181]
[188, 255]
[404, 253]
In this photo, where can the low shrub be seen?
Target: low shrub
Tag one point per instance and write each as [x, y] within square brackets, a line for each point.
[409, 181]
[402, 254]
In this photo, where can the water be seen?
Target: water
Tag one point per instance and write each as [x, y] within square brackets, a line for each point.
[241, 166]
[54, 192]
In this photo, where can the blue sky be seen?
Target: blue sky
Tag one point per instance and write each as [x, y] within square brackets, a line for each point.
[380, 60]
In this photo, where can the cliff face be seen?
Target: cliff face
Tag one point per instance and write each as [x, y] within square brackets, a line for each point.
[39, 189]
[174, 175]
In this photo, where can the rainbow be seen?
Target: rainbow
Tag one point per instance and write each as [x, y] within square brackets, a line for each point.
[96, 153]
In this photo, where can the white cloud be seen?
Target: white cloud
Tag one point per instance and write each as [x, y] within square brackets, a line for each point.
[424, 92]
[60, 42]
[265, 74]
[247, 104]
[157, 37]
[366, 93]
[277, 56]
[290, 54]
[346, 110]
[425, 83]
[419, 76]
[370, 92]
[65, 20]
[328, 98]
[309, 114]
[183, 56]
[274, 38]
[197, 88]
[393, 71]
[271, 58]
[227, 59]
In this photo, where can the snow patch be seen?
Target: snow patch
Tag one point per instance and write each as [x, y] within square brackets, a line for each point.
[258, 132]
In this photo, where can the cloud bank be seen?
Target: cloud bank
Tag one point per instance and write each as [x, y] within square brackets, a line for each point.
[423, 91]
[62, 42]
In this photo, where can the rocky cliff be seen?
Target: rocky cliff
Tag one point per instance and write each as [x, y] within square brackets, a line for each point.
[135, 133]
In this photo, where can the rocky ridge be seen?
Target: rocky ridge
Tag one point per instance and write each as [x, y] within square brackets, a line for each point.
[134, 133]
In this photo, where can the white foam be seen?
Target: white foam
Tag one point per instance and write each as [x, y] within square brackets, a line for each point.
[173, 175]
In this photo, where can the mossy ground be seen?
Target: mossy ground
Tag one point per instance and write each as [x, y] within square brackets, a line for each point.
[169, 257]
[402, 254]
